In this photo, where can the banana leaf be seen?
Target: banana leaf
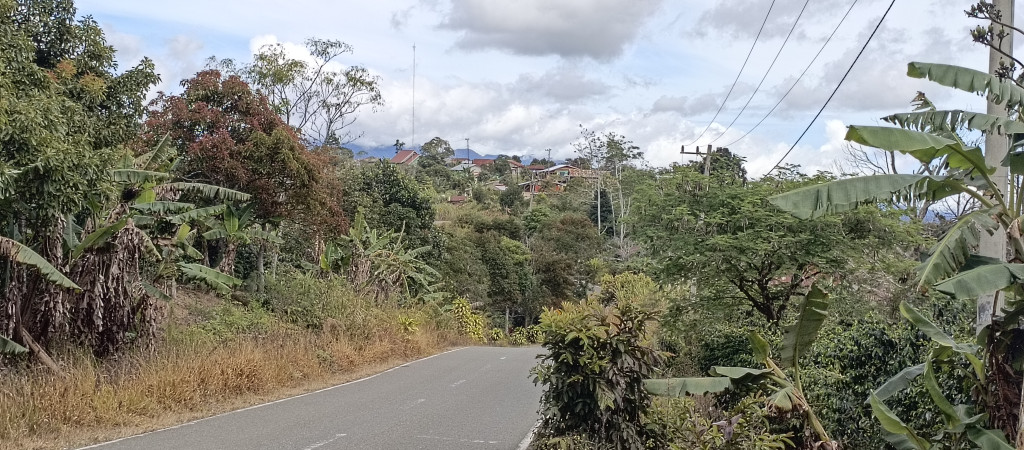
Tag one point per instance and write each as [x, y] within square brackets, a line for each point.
[925, 147]
[949, 255]
[989, 278]
[952, 120]
[844, 195]
[800, 335]
[9, 347]
[970, 80]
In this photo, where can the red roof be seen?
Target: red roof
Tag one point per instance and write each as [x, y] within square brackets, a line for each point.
[536, 167]
[515, 163]
[458, 199]
[483, 162]
[405, 157]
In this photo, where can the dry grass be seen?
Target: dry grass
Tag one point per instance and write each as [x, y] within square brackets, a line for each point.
[191, 375]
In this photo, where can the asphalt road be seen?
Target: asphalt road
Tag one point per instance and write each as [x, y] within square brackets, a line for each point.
[471, 398]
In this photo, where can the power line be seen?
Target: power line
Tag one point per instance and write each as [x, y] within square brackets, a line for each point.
[813, 60]
[745, 61]
[770, 67]
[776, 166]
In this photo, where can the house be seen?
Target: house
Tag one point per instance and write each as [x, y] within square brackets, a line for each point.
[458, 199]
[536, 167]
[457, 161]
[537, 186]
[561, 171]
[483, 162]
[472, 168]
[405, 157]
[516, 167]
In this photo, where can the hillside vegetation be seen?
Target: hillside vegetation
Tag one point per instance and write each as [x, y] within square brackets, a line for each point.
[219, 245]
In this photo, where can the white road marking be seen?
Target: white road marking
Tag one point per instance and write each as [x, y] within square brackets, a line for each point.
[529, 437]
[503, 357]
[458, 383]
[471, 441]
[414, 403]
[323, 443]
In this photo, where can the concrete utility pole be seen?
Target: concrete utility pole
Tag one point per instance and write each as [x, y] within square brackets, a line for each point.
[697, 152]
[413, 94]
[996, 147]
[468, 159]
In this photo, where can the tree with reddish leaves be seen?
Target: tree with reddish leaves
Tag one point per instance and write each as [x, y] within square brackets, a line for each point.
[229, 136]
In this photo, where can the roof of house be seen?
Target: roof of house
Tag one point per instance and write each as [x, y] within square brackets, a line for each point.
[405, 157]
[515, 163]
[558, 167]
[483, 161]
[465, 166]
[458, 199]
[500, 187]
[536, 167]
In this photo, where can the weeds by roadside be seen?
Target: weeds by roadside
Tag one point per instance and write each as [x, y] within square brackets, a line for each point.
[228, 356]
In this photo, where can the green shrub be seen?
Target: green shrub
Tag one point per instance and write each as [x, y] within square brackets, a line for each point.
[307, 302]
[724, 345]
[230, 320]
[535, 334]
[496, 335]
[628, 286]
[467, 322]
[853, 358]
[682, 424]
[519, 337]
[597, 358]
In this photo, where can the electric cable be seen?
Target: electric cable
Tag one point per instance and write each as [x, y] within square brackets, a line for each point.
[790, 90]
[816, 116]
[745, 61]
[765, 77]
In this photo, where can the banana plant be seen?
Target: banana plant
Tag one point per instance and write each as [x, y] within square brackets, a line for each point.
[968, 175]
[380, 263]
[787, 392]
[150, 202]
[236, 226]
[960, 423]
[950, 267]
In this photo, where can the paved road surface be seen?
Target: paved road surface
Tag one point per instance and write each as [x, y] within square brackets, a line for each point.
[471, 398]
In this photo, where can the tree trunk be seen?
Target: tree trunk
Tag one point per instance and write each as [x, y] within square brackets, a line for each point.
[261, 276]
[227, 263]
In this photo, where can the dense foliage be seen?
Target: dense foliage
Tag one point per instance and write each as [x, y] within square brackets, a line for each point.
[239, 184]
[597, 358]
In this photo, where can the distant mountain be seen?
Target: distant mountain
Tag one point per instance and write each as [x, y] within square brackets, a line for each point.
[387, 151]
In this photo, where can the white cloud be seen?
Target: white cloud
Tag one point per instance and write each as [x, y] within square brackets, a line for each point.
[598, 29]
[652, 70]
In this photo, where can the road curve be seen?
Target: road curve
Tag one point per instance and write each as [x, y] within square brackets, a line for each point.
[470, 398]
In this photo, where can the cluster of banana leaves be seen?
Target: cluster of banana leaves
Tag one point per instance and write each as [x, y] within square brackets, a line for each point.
[151, 200]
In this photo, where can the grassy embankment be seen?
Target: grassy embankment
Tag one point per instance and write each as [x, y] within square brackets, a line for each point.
[212, 357]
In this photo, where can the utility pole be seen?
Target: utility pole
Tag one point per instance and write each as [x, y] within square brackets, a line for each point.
[413, 142]
[468, 159]
[707, 157]
[996, 147]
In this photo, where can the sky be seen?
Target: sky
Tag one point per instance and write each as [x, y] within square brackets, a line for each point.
[519, 77]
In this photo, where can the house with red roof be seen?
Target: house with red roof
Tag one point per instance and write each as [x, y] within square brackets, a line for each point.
[405, 157]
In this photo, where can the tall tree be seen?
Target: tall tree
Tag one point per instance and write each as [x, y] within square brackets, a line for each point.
[737, 248]
[319, 102]
[64, 110]
[229, 136]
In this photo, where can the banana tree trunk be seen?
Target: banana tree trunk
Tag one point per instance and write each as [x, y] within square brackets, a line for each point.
[227, 263]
